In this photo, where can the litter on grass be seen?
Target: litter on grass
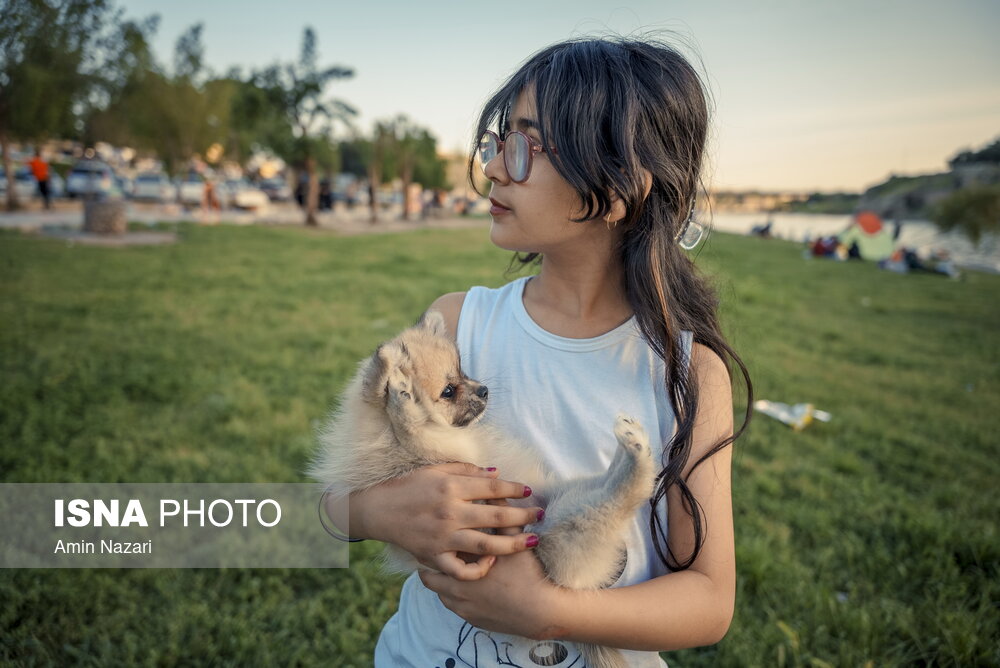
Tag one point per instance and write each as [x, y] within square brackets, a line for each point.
[798, 417]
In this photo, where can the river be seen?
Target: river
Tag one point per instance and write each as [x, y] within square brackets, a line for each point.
[920, 235]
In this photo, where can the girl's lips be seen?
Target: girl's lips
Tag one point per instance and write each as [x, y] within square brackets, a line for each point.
[497, 209]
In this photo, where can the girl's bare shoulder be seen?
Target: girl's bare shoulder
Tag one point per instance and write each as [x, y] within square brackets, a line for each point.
[449, 306]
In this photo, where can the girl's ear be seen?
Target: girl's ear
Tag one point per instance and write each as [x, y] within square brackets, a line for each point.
[618, 210]
[647, 180]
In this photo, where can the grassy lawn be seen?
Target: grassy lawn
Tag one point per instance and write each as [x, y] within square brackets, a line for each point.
[868, 540]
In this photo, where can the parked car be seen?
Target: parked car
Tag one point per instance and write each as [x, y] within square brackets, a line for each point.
[91, 178]
[57, 186]
[125, 184]
[26, 185]
[154, 186]
[277, 189]
[191, 189]
[241, 195]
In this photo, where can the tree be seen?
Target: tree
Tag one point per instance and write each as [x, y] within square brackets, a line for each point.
[175, 116]
[380, 162]
[298, 90]
[126, 95]
[988, 154]
[51, 57]
[401, 149]
[255, 122]
[974, 211]
[416, 159]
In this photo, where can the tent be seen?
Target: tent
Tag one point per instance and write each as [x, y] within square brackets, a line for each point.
[874, 240]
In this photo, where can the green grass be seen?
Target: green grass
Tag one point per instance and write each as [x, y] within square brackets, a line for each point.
[869, 539]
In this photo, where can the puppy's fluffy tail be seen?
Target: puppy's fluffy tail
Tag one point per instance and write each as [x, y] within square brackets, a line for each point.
[598, 656]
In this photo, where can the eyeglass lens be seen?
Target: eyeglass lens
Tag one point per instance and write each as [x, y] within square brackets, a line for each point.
[516, 154]
[487, 149]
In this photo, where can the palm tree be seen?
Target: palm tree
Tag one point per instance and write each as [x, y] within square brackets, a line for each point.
[298, 90]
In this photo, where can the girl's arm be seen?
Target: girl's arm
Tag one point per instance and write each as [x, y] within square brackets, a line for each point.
[678, 610]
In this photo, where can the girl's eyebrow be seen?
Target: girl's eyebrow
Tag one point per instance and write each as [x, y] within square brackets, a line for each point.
[527, 124]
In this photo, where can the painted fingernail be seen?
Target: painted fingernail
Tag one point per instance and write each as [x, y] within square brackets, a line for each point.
[491, 469]
[527, 491]
[541, 515]
[532, 541]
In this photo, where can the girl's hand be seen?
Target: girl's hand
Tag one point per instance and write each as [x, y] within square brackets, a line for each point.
[431, 513]
[514, 597]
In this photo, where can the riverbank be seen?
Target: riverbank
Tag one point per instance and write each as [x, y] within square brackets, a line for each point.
[921, 235]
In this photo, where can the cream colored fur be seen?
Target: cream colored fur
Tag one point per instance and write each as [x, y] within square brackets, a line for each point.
[393, 418]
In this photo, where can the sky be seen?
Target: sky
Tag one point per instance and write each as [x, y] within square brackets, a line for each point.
[807, 95]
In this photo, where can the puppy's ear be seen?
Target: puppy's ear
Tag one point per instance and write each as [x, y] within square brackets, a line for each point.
[377, 370]
[433, 322]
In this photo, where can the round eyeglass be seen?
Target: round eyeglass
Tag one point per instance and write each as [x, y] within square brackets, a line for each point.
[518, 152]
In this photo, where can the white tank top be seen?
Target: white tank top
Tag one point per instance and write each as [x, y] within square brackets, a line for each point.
[560, 396]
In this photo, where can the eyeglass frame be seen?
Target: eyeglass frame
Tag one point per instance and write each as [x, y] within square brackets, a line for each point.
[533, 148]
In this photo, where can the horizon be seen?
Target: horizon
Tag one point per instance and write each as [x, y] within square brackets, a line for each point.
[806, 98]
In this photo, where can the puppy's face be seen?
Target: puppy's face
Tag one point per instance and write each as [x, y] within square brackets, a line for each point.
[418, 378]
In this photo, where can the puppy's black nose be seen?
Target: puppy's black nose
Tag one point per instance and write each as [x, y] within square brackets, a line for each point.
[482, 391]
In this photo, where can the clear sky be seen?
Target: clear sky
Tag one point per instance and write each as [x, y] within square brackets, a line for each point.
[808, 95]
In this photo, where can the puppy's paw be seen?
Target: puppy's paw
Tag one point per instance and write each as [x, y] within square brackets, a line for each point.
[631, 436]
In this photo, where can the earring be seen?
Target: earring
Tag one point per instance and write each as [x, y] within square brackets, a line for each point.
[607, 221]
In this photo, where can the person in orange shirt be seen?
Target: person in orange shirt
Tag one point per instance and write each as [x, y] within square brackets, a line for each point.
[40, 169]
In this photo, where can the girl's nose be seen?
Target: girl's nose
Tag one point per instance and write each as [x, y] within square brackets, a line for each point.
[496, 170]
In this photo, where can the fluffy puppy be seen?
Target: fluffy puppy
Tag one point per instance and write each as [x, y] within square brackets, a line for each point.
[410, 405]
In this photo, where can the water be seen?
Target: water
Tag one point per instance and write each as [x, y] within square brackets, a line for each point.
[917, 234]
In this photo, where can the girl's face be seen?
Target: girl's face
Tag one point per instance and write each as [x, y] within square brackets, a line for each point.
[535, 216]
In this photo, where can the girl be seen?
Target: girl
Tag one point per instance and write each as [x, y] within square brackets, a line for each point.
[593, 150]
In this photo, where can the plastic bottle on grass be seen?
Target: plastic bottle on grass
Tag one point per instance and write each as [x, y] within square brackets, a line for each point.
[797, 416]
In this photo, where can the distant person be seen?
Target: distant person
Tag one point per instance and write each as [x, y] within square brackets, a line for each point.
[40, 169]
[351, 195]
[210, 198]
[824, 247]
[300, 193]
[325, 195]
[762, 231]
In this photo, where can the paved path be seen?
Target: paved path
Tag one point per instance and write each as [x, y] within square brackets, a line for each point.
[67, 215]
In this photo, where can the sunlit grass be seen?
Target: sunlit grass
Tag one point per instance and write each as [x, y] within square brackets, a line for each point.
[871, 538]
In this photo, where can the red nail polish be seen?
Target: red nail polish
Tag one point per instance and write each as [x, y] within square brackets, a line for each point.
[491, 469]
[527, 491]
[532, 541]
[541, 515]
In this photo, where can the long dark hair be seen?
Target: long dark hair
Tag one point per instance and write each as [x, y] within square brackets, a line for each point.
[618, 109]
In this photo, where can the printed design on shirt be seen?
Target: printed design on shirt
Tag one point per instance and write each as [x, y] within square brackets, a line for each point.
[480, 649]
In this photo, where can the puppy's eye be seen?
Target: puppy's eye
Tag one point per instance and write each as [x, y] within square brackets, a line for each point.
[449, 392]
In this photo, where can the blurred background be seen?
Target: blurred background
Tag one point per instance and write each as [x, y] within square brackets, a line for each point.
[212, 210]
[327, 112]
